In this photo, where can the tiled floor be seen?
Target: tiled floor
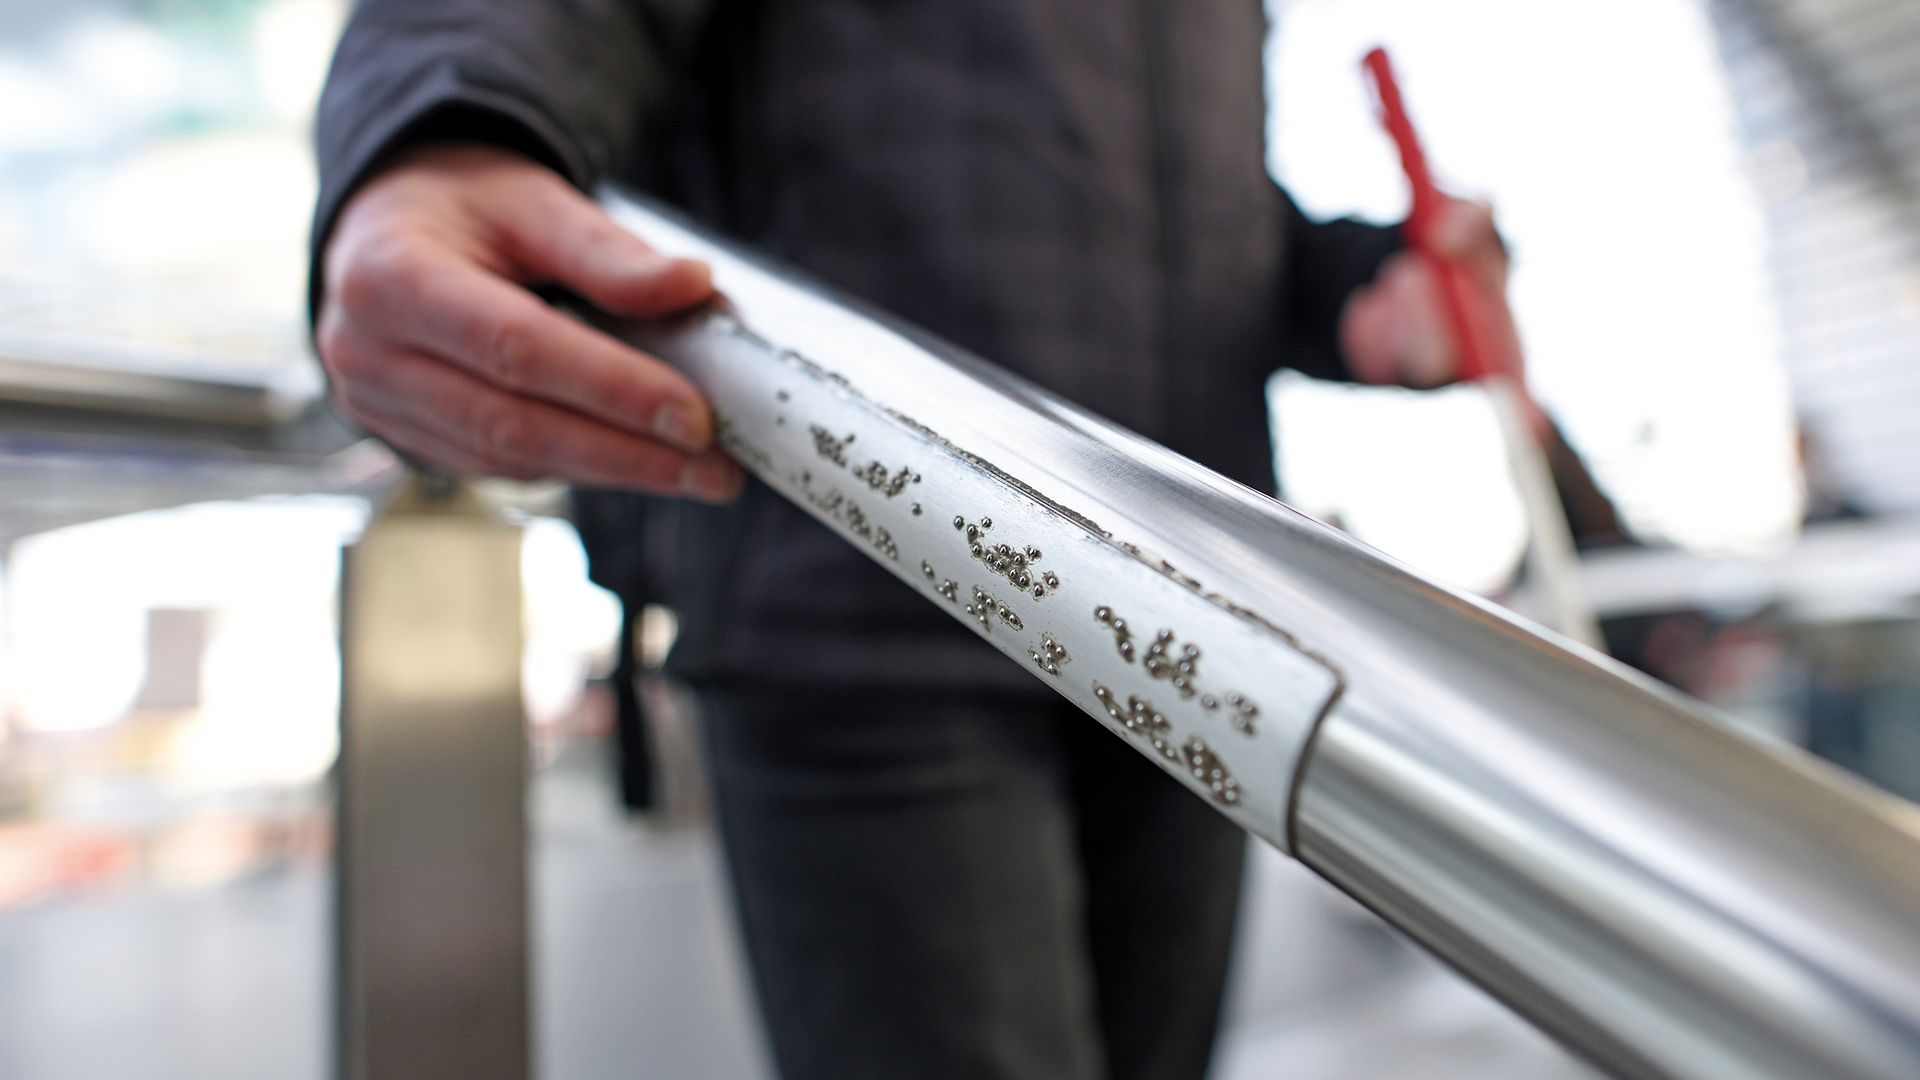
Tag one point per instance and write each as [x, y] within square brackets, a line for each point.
[638, 976]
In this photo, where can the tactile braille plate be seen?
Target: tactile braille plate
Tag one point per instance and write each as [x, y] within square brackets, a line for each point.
[819, 404]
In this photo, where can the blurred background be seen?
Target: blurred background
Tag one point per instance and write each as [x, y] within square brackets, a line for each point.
[1714, 211]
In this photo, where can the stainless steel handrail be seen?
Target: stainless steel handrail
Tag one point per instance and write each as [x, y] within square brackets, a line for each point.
[1666, 894]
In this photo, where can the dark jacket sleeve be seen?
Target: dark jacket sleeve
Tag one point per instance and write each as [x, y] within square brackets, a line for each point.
[566, 81]
[1326, 262]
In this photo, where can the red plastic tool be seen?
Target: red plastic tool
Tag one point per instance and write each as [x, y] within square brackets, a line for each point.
[1482, 349]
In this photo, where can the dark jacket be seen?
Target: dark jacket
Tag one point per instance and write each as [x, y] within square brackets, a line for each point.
[1075, 189]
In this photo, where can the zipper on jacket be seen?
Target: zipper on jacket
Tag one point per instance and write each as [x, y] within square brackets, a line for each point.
[1153, 65]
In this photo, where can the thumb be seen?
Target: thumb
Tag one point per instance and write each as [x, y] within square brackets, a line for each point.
[1468, 235]
[561, 237]
[1464, 227]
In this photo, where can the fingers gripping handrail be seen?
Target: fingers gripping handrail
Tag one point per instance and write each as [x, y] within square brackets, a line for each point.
[1664, 893]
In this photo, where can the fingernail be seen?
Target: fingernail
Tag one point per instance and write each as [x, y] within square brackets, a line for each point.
[680, 425]
[701, 269]
[710, 478]
[639, 263]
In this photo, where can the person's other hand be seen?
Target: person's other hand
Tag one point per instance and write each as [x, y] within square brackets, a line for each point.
[1395, 330]
[434, 341]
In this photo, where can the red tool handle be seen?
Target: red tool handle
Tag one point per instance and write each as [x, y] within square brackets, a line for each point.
[1468, 308]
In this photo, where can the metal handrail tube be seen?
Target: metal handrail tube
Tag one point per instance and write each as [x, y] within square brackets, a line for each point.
[1665, 893]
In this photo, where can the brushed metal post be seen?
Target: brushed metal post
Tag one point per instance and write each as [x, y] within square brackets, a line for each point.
[432, 977]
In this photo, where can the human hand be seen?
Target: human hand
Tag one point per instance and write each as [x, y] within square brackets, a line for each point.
[434, 341]
[1395, 330]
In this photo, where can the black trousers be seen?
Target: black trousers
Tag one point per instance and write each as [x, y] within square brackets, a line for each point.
[943, 886]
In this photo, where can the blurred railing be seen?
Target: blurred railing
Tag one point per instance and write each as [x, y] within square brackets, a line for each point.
[1666, 894]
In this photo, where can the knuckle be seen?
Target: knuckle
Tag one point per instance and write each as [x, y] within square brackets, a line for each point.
[359, 287]
[330, 339]
[345, 361]
[506, 437]
[508, 348]
[379, 266]
[1410, 276]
